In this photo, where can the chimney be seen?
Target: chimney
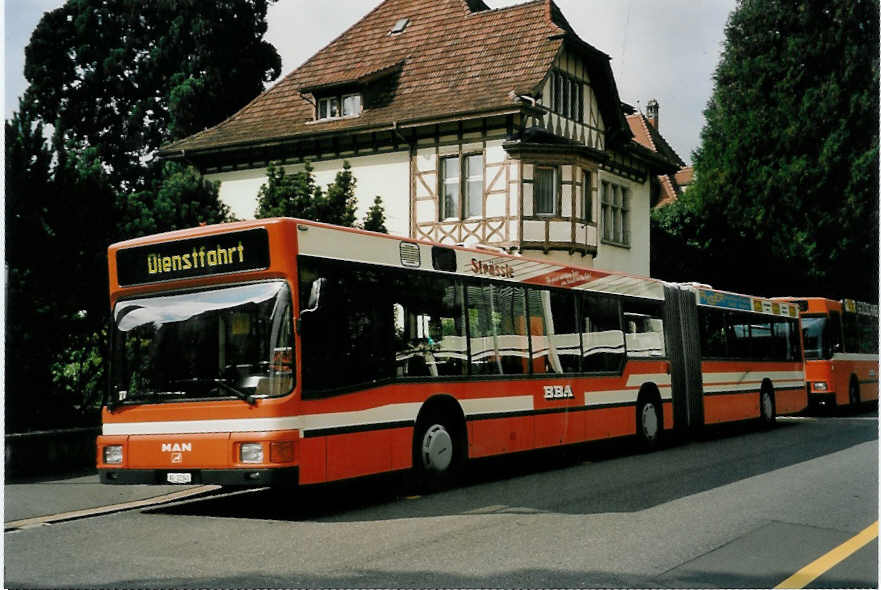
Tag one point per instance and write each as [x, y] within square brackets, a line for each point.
[651, 111]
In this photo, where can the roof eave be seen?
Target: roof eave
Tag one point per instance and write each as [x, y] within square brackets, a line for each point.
[179, 153]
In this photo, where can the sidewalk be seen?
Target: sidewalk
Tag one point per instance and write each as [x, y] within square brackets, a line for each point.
[43, 497]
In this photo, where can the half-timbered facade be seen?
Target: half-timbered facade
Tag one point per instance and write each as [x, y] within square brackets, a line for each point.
[476, 126]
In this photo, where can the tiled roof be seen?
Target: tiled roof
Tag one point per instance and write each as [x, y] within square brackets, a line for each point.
[647, 135]
[454, 56]
[668, 191]
[685, 176]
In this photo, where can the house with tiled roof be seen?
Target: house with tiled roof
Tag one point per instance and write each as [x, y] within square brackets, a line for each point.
[665, 188]
[477, 126]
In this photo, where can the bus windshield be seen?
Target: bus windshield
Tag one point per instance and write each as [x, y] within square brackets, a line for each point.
[814, 331]
[219, 343]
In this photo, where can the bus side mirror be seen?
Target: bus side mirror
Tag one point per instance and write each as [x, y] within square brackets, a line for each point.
[315, 295]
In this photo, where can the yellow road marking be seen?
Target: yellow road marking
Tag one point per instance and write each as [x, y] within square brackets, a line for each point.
[41, 520]
[823, 564]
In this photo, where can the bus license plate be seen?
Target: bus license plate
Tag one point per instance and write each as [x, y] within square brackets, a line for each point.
[179, 477]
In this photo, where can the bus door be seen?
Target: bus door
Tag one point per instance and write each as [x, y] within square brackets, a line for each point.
[683, 341]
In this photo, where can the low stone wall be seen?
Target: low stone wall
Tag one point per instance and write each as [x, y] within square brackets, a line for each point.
[50, 452]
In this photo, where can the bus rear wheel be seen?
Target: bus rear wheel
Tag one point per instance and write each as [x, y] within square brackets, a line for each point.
[438, 453]
[767, 412]
[648, 424]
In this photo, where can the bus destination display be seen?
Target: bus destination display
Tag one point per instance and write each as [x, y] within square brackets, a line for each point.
[195, 257]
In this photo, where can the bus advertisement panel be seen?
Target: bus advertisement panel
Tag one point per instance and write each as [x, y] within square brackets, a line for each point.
[288, 352]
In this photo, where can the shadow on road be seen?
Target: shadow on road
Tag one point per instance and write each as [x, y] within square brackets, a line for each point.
[606, 477]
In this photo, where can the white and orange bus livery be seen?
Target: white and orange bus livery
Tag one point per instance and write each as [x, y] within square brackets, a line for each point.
[284, 351]
[841, 351]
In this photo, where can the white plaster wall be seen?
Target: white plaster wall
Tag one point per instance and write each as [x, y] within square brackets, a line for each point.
[634, 259]
[386, 175]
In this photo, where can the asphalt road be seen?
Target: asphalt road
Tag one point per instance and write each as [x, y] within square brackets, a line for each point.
[743, 508]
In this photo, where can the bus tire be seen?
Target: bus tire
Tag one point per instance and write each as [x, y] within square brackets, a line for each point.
[438, 452]
[649, 423]
[853, 393]
[767, 407]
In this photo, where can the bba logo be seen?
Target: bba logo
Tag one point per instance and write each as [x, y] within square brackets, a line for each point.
[558, 392]
[177, 450]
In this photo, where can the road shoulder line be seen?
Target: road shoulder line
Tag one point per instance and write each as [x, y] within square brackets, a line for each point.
[824, 563]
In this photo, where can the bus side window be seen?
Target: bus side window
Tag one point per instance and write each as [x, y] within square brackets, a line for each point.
[714, 339]
[851, 332]
[644, 328]
[602, 337]
[553, 329]
[429, 327]
[738, 335]
[497, 329]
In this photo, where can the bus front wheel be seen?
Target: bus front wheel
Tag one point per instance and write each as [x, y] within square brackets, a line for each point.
[438, 453]
[854, 393]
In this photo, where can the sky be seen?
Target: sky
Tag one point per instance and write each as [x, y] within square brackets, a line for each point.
[661, 49]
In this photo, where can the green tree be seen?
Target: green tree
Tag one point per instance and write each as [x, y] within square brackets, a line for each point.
[374, 220]
[785, 198]
[298, 195]
[125, 76]
[112, 80]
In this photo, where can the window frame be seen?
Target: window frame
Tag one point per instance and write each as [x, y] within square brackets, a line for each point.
[615, 213]
[464, 198]
[339, 98]
[587, 196]
[554, 212]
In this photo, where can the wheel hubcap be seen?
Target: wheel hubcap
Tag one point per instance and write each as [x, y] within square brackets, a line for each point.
[649, 422]
[437, 448]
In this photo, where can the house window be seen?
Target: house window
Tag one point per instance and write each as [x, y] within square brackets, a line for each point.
[567, 96]
[474, 185]
[334, 107]
[449, 203]
[587, 197]
[544, 191]
[461, 176]
[567, 85]
[615, 203]
[351, 105]
[558, 91]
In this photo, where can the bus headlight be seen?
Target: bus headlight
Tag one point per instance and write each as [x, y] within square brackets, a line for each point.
[251, 453]
[113, 454]
[820, 386]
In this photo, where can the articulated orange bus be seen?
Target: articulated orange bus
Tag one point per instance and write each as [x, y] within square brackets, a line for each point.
[285, 352]
[841, 351]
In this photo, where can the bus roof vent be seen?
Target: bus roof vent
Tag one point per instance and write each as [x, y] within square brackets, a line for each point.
[410, 255]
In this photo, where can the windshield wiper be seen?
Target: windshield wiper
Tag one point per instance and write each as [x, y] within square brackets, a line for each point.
[247, 397]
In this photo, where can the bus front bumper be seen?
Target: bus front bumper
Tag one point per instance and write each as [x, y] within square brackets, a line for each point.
[285, 477]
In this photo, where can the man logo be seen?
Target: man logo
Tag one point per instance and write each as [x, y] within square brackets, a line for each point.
[176, 447]
[177, 457]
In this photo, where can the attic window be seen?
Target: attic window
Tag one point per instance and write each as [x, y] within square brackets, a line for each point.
[335, 107]
[399, 26]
